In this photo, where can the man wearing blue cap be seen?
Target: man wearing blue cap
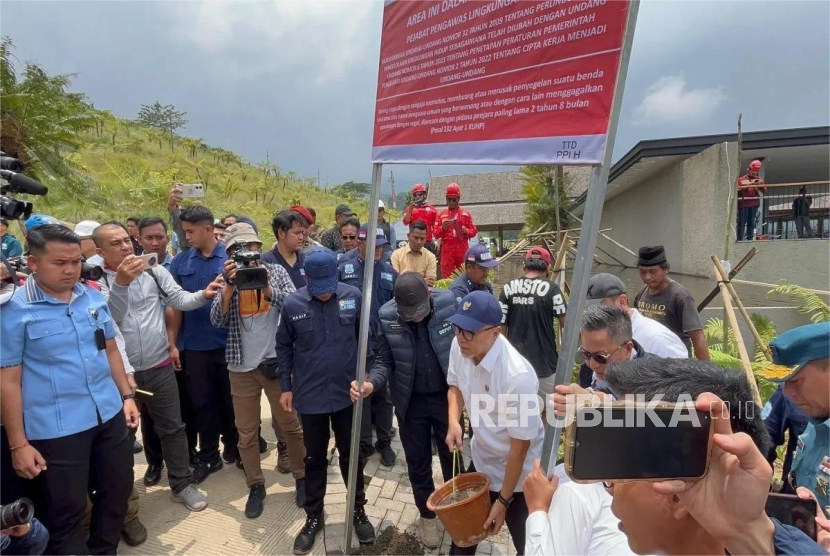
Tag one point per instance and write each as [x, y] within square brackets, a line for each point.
[317, 344]
[801, 360]
[485, 370]
[477, 263]
[350, 271]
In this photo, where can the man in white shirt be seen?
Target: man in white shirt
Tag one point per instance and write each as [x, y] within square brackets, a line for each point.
[654, 337]
[499, 387]
[569, 518]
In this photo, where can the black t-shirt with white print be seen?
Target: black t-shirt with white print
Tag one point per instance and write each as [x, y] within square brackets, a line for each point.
[530, 307]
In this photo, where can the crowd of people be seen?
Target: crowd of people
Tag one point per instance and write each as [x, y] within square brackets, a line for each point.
[183, 342]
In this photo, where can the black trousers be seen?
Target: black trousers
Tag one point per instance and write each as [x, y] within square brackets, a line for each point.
[163, 409]
[209, 387]
[316, 438]
[152, 442]
[514, 520]
[377, 411]
[426, 416]
[99, 459]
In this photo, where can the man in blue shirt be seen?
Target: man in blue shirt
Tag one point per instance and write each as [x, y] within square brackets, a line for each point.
[208, 382]
[317, 356]
[801, 360]
[350, 271]
[66, 402]
[477, 263]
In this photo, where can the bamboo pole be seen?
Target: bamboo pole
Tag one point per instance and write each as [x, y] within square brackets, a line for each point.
[609, 238]
[768, 285]
[521, 244]
[542, 234]
[744, 356]
[732, 273]
[724, 278]
[774, 185]
[607, 254]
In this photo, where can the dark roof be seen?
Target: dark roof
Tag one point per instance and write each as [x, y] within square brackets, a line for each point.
[797, 137]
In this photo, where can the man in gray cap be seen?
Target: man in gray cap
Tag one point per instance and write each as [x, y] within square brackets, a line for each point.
[413, 352]
[331, 238]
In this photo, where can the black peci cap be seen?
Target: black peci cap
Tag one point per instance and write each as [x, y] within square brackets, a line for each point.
[652, 256]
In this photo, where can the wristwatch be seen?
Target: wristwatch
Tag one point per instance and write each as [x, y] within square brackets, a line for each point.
[126, 397]
[505, 502]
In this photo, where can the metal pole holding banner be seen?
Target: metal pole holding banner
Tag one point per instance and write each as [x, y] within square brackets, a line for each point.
[362, 349]
[587, 243]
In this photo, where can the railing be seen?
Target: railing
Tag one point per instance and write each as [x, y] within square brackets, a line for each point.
[784, 211]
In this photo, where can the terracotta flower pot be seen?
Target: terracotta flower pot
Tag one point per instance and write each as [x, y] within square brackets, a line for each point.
[463, 520]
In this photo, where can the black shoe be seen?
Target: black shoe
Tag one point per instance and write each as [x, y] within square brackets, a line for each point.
[137, 447]
[299, 492]
[153, 474]
[305, 540]
[230, 455]
[367, 451]
[253, 507]
[263, 445]
[204, 470]
[387, 455]
[134, 532]
[363, 529]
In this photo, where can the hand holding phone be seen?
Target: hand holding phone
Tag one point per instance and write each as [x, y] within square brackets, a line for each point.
[789, 509]
[151, 260]
[193, 190]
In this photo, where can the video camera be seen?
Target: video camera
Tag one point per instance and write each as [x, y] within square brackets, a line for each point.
[11, 208]
[89, 272]
[17, 513]
[249, 276]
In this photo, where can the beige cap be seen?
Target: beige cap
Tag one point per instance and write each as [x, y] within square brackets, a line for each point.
[240, 233]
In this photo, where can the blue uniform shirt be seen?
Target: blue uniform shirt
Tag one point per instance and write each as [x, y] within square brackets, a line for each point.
[66, 380]
[194, 272]
[782, 415]
[296, 272]
[350, 271]
[811, 466]
[317, 349]
[462, 286]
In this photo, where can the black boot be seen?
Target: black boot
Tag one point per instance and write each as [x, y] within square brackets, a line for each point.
[253, 507]
[305, 540]
[363, 529]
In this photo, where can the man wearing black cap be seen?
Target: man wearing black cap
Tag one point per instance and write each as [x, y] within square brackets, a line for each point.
[331, 238]
[350, 272]
[667, 302]
[413, 352]
[317, 343]
[485, 370]
[477, 263]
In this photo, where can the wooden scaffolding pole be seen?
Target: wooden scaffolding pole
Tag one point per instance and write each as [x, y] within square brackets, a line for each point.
[744, 356]
[724, 278]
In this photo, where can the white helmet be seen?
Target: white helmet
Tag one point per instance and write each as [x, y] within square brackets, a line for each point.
[381, 205]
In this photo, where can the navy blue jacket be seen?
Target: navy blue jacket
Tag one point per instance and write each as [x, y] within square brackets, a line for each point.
[395, 361]
[462, 286]
[317, 349]
[350, 271]
[780, 415]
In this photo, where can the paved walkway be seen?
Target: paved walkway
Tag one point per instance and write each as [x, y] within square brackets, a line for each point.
[223, 528]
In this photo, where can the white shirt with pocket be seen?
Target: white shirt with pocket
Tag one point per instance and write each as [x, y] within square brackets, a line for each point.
[579, 521]
[509, 383]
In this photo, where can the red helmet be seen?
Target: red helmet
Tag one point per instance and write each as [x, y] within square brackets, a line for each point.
[755, 165]
[453, 190]
[419, 188]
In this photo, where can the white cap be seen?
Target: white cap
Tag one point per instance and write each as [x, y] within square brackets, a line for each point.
[381, 205]
[84, 229]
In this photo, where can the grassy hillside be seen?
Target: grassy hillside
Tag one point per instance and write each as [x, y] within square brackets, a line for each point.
[130, 170]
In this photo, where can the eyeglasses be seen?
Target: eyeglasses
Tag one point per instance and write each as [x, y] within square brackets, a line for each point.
[348, 237]
[601, 358]
[468, 335]
[452, 199]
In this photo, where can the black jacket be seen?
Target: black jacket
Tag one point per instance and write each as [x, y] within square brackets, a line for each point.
[395, 361]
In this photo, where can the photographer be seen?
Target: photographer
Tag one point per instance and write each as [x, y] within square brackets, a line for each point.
[137, 299]
[252, 317]
[72, 415]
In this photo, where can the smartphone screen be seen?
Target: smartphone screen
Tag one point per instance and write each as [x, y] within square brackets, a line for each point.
[611, 450]
[792, 510]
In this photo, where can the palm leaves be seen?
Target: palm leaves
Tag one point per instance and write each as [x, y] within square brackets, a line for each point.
[542, 203]
[805, 300]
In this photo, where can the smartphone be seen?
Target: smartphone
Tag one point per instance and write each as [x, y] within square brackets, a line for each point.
[151, 260]
[193, 190]
[792, 510]
[625, 441]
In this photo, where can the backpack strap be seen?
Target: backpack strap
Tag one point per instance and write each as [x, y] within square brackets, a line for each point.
[152, 274]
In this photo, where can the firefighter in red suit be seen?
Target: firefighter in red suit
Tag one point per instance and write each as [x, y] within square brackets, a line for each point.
[455, 227]
[421, 210]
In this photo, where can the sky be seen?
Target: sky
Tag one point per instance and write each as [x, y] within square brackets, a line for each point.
[296, 80]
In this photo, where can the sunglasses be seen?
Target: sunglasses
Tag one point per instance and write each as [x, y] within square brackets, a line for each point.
[601, 358]
[468, 335]
[452, 199]
[348, 237]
